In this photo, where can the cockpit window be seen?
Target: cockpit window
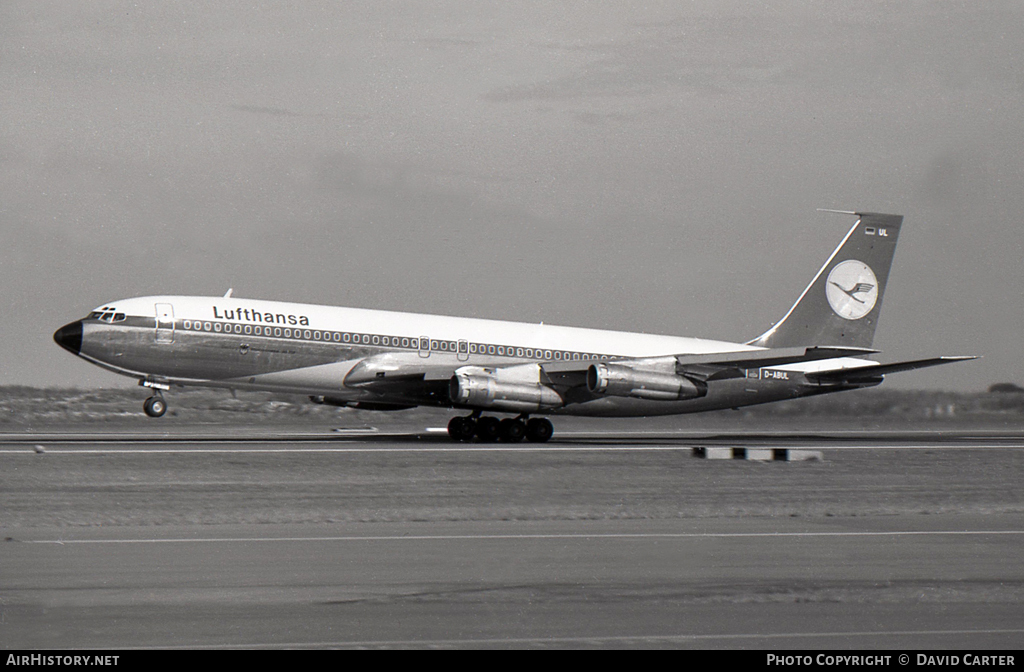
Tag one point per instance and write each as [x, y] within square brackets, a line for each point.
[107, 316]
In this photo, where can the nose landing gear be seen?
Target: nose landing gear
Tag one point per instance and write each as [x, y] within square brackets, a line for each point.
[155, 406]
[488, 429]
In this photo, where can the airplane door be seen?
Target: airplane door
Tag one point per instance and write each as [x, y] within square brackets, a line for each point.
[164, 323]
[463, 351]
[424, 346]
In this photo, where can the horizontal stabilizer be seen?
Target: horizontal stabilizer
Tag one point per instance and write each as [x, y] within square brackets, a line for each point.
[708, 366]
[755, 359]
[875, 373]
[741, 359]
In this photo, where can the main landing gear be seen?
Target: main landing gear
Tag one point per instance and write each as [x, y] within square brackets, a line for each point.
[488, 429]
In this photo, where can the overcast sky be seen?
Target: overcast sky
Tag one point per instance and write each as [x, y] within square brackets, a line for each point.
[638, 166]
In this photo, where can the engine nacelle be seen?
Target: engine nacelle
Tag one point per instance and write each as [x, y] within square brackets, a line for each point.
[616, 380]
[485, 391]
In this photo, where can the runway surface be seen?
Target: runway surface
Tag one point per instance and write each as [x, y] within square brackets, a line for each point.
[779, 584]
[603, 542]
[372, 438]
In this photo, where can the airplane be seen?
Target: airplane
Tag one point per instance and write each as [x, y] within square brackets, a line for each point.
[381, 360]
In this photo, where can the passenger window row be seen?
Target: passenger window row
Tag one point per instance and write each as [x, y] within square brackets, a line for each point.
[434, 345]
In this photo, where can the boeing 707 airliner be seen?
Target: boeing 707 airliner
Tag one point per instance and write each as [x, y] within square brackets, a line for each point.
[379, 360]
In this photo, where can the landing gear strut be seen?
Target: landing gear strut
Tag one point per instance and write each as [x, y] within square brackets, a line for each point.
[488, 429]
[155, 406]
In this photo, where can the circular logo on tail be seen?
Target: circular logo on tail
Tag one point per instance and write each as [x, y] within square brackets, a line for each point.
[852, 289]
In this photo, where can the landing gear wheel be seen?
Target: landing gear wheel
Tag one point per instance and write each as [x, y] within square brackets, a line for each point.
[461, 429]
[487, 429]
[455, 428]
[539, 430]
[155, 407]
[511, 430]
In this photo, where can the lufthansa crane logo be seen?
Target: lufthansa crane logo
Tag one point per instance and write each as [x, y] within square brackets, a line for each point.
[852, 289]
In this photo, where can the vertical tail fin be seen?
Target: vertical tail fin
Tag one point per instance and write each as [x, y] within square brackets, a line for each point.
[842, 303]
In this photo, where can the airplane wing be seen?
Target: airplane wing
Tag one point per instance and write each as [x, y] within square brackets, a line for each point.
[402, 378]
[711, 366]
[874, 373]
[408, 377]
[380, 371]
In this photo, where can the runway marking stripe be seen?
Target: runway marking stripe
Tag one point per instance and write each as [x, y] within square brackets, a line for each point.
[488, 449]
[484, 537]
[612, 638]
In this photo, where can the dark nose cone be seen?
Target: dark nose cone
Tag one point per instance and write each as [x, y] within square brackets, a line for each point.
[69, 337]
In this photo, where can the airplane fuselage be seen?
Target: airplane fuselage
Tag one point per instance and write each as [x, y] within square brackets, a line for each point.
[320, 350]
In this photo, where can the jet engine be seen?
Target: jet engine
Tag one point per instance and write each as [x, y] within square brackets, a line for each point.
[616, 380]
[486, 391]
